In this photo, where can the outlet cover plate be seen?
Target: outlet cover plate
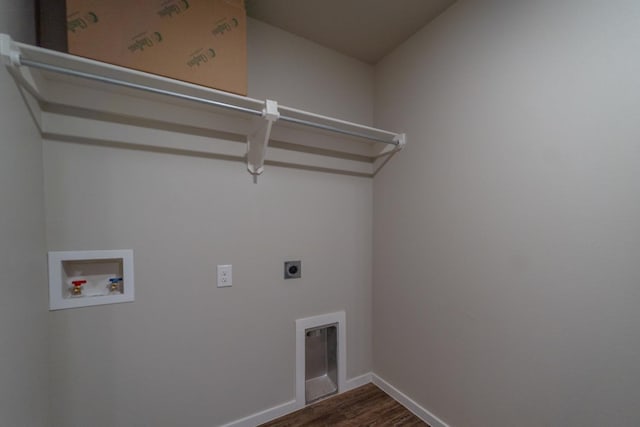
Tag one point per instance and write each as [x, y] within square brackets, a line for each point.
[225, 275]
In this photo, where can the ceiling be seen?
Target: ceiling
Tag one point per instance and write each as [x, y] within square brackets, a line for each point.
[364, 29]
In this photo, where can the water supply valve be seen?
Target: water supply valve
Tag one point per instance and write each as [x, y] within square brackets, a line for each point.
[76, 288]
[115, 284]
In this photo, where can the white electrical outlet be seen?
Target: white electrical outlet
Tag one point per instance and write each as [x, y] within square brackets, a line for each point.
[224, 276]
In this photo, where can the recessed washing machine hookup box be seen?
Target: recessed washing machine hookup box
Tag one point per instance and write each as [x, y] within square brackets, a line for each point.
[86, 278]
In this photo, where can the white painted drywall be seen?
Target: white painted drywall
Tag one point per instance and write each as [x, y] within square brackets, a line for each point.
[23, 301]
[187, 353]
[307, 76]
[507, 235]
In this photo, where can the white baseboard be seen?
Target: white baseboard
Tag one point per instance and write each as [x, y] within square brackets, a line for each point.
[265, 416]
[408, 403]
[356, 382]
[292, 406]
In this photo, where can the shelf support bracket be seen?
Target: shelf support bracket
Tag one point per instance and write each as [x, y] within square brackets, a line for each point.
[10, 56]
[388, 152]
[28, 86]
[257, 142]
[9, 53]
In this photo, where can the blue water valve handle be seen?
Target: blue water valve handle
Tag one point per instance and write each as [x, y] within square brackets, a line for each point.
[115, 279]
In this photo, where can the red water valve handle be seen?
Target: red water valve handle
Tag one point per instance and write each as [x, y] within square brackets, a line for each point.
[78, 282]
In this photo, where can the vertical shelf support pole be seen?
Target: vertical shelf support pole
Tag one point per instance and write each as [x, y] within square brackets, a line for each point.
[257, 142]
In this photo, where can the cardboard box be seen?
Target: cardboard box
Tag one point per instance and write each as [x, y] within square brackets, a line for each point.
[198, 41]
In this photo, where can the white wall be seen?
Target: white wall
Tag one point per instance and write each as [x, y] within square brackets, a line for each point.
[307, 76]
[23, 301]
[186, 353]
[507, 235]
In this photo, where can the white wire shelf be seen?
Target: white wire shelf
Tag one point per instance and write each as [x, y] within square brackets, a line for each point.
[79, 99]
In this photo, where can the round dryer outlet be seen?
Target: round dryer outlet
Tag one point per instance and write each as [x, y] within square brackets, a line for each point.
[292, 269]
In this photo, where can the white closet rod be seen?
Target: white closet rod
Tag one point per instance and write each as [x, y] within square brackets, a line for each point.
[335, 129]
[95, 77]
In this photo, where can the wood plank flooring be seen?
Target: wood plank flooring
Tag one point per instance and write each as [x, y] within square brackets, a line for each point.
[363, 406]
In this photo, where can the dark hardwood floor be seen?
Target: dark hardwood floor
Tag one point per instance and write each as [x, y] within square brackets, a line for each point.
[363, 406]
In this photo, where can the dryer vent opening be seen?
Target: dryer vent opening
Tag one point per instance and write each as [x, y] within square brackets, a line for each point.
[321, 362]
